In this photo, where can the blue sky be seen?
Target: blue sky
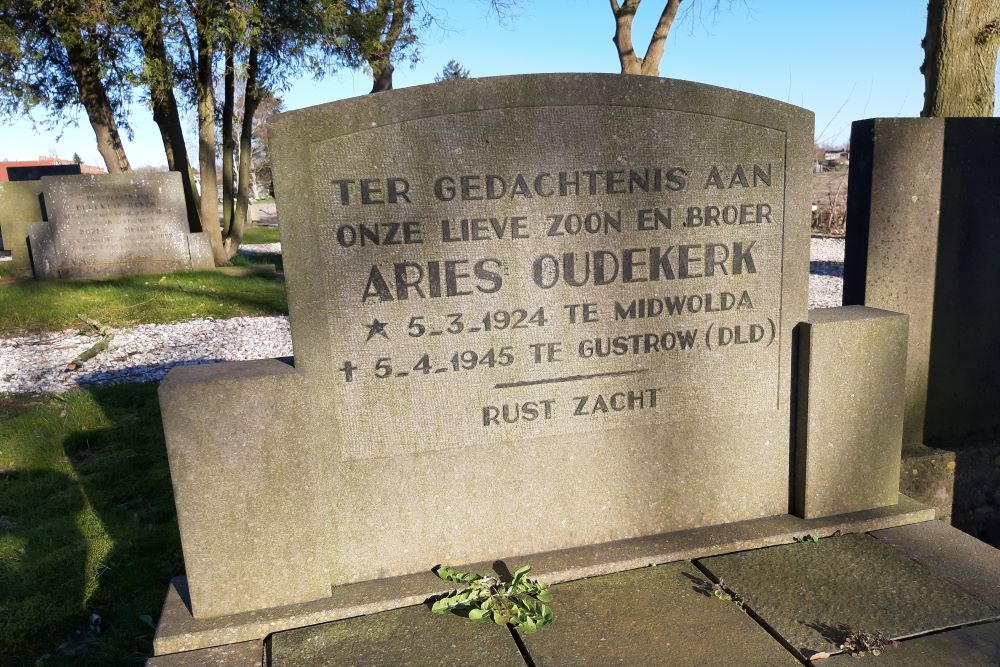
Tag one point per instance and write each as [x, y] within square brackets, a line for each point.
[843, 60]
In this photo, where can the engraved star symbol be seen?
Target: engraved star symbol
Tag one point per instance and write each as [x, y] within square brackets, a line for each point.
[376, 327]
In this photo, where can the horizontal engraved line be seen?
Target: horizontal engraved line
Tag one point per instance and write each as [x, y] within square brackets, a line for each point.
[568, 378]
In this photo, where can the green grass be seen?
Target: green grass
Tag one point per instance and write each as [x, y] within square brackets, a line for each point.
[260, 235]
[30, 306]
[87, 526]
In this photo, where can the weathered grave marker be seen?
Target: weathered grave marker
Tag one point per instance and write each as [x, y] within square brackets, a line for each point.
[536, 312]
[20, 214]
[100, 226]
[920, 240]
[528, 314]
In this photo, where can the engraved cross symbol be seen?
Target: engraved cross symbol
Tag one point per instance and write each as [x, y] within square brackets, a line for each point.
[348, 370]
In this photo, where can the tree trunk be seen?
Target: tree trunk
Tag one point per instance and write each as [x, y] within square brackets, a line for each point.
[960, 57]
[94, 98]
[167, 117]
[382, 71]
[631, 63]
[251, 100]
[394, 14]
[209, 202]
[228, 141]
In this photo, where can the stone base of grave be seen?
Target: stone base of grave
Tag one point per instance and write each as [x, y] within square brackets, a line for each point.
[928, 476]
[179, 631]
[927, 584]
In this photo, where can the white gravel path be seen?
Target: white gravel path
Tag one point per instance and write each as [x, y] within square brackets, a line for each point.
[826, 279]
[145, 353]
[253, 249]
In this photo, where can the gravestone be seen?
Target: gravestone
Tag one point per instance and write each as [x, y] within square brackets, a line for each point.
[122, 224]
[920, 241]
[38, 171]
[529, 314]
[20, 214]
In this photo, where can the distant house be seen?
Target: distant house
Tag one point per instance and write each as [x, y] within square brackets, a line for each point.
[836, 158]
[32, 170]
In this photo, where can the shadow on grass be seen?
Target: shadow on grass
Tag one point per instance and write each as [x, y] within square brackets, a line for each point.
[93, 537]
[43, 560]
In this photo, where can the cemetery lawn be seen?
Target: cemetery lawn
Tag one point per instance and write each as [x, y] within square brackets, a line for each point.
[260, 235]
[87, 526]
[31, 306]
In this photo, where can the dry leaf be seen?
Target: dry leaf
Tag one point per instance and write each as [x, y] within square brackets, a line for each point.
[822, 655]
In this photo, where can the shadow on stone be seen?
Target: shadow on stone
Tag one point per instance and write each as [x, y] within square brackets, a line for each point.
[835, 634]
[699, 585]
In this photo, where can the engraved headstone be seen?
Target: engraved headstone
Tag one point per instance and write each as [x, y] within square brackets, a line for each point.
[101, 226]
[528, 313]
[20, 214]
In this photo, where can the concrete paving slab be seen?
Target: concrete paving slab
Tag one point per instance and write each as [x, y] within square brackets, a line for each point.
[809, 592]
[411, 636]
[660, 615]
[974, 646]
[178, 630]
[949, 553]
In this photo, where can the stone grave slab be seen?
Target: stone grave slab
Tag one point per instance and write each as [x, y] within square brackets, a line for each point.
[112, 225]
[20, 214]
[807, 592]
[409, 637]
[654, 616]
[242, 654]
[946, 551]
[179, 630]
[514, 332]
[964, 647]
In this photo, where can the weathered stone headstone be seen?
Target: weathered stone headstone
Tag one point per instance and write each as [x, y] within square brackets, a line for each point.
[920, 241]
[20, 214]
[528, 313]
[550, 317]
[101, 226]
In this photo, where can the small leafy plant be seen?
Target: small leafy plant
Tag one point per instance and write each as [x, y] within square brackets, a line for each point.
[860, 642]
[808, 539]
[720, 591]
[521, 602]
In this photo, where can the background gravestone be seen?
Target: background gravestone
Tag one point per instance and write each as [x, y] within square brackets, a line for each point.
[20, 214]
[111, 225]
[38, 171]
[528, 313]
[920, 241]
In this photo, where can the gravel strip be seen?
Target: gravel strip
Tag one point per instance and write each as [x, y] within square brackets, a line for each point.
[823, 249]
[145, 353]
[826, 272]
[256, 249]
